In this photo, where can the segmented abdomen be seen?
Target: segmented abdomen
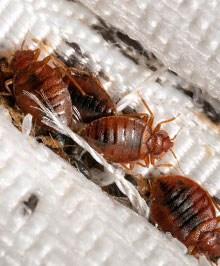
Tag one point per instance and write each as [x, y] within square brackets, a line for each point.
[180, 206]
[41, 78]
[96, 103]
[118, 138]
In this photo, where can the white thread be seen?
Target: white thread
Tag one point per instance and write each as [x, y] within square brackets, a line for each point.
[52, 120]
[126, 100]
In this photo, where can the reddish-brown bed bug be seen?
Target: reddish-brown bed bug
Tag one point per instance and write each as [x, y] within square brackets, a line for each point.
[182, 207]
[127, 139]
[95, 102]
[37, 77]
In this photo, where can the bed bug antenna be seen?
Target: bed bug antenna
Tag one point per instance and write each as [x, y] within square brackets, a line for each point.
[43, 46]
[175, 136]
[174, 155]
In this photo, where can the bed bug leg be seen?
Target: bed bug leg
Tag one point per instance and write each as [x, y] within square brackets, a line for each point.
[215, 261]
[151, 119]
[79, 71]
[7, 83]
[152, 162]
[193, 251]
[72, 80]
[47, 59]
[58, 63]
[146, 160]
[23, 42]
[141, 164]
[145, 164]
[131, 166]
[135, 115]
[166, 165]
[211, 262]
[144, 117]
[144, 185]
[62, 67]
[36, 55]
[164, 122]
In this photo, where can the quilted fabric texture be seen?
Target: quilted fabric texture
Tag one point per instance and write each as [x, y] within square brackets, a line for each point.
[74, 223]
[183, 34]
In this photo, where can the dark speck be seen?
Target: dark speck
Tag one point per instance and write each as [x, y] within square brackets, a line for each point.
[30, 204]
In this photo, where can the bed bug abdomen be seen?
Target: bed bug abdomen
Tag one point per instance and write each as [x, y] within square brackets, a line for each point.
[182, 207]
[40, 79]
[96, 103]
[119, 138]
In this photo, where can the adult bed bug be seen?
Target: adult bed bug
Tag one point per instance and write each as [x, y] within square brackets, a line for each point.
[95, 102]
[182, 207]
[127, 139]
[39, 78]
[90, 100]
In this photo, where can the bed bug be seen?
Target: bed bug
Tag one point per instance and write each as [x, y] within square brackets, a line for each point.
[37, 77]
[95, 102]
[127, 139]
[182, 207]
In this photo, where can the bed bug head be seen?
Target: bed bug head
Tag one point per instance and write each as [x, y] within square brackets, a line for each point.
[159, 143]
[209, 245]
[22, 60]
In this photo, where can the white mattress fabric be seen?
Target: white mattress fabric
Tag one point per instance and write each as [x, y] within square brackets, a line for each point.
[183, 34]
[74, 223]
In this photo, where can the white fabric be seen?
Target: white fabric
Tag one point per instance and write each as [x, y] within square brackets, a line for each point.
[183, 34]
[74, 223]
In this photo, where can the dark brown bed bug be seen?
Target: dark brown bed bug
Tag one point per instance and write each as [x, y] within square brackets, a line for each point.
[37, 77]
[127, 139]
[182, 207]
[95, 102]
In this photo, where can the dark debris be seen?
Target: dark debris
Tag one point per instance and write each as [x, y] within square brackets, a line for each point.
[30, 204]
[206, 106]
[129, 47]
